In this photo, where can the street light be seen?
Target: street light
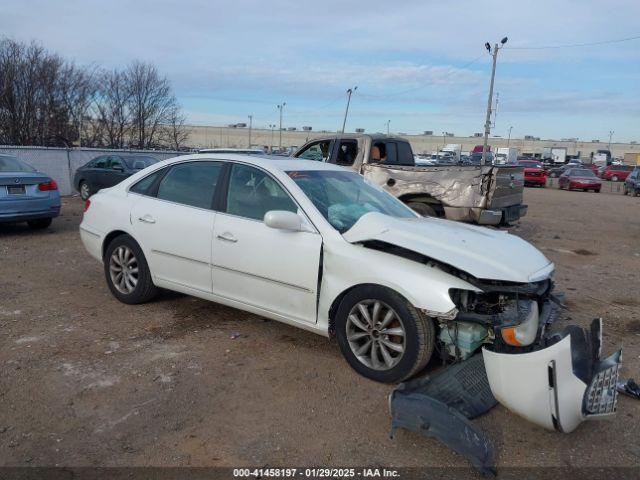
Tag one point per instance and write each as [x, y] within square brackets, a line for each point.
[250, 125]
[280, 108]
[349, 92]
[444, 135]
[509, 139]
[611, 132]
[388, 122]
[487, 123]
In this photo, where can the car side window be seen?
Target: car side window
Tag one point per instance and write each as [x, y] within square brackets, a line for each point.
[318, 151]
[115, 162]
[347, 152]
[142, 187]
[192, 184]
[252, 193]
[100, 162]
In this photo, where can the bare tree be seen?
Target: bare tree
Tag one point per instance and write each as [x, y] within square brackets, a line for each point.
[112, 106]
[176, 133]
[150, 102]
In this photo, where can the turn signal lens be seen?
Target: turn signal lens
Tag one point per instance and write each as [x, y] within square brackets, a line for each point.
[509, 337]
[50, 185]
[87, 204]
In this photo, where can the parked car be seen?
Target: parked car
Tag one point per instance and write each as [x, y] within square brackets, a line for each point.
[108, 170]
[27, 195]
[534, 173]
[555, 172]
[632, 183]
[244, 151]
[580, 179]
[319, 247]
[616, 173]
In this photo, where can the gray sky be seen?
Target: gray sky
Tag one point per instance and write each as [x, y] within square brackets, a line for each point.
[420, 64]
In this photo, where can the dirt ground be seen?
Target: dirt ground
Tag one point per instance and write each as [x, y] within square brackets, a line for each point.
[88, 381]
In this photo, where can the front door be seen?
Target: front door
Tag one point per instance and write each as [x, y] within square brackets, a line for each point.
[174, 224]
[272, 269]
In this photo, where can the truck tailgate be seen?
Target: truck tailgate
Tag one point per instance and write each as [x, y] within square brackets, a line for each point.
[507, 187]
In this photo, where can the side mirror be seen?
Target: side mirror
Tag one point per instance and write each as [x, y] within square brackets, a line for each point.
[283, 220]
[118, 168]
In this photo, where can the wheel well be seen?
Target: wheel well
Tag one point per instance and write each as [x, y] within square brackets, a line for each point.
[424, 198]
[109, 238]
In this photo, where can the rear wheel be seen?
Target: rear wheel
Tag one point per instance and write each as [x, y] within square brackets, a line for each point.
[624, 190]
[40, 223]
[382, 336]
[423, 209]
[127, 272]
[85, 190]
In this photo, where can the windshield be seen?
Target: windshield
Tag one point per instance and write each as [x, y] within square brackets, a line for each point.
[12, 164]
[581, 172]
[139, 162]
[343, 197]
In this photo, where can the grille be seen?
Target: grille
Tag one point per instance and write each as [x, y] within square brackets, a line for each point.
[602, 396]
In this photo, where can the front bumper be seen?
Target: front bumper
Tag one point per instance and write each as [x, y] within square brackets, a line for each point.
[561, 385]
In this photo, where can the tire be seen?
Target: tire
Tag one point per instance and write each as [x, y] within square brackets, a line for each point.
[636, 192]
[136, 286]
[614, 178]
[624, 190]
[85, 190]
[40, 223]
[423, 209]
[418, 338]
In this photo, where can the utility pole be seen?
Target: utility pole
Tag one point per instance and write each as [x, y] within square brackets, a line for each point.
[250, 125]
[280, 108]
[487, 123]
[509, 139]
[388, 122]
[346, 112]
[444, 135]
[271, 126]
[611, 132]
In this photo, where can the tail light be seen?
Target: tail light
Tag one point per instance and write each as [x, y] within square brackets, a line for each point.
[50, 185]
[87, 204]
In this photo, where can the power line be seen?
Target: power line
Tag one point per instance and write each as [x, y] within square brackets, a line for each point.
[571, 45]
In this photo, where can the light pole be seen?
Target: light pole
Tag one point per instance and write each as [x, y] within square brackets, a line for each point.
[280, 108]
[349, 92]
[271, 126]
[611, 132]
[509, 139]
[388, 122]
[444, 135]
[487, 123]
[250, 125]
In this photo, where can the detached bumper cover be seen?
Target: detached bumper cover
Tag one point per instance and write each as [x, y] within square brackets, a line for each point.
[560, 386]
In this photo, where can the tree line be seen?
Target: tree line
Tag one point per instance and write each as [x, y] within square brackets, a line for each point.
[47, 100]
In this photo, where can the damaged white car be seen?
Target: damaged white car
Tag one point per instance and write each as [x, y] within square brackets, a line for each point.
[317, 246]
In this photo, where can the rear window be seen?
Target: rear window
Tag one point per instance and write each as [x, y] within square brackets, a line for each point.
[12, 164]
[581, 172]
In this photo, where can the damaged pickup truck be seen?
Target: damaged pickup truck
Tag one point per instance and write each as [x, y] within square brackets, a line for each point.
[317, 246]
[488, 195]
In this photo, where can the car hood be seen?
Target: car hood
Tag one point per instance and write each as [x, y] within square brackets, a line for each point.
[481, 252]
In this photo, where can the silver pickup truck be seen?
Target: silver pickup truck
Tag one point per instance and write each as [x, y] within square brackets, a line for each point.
[487, 195]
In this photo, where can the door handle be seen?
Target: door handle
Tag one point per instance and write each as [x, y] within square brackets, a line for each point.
[228, 237]
[147, 219]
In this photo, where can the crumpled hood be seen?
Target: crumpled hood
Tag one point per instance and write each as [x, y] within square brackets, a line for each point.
[482, 252]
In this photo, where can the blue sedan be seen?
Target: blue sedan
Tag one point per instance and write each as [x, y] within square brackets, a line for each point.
[26, 195]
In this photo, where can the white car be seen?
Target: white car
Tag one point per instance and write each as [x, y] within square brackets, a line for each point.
[316, 246]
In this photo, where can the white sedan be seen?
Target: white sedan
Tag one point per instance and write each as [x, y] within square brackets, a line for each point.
[317, 246]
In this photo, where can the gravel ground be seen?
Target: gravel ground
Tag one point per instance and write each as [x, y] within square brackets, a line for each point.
[88, 381]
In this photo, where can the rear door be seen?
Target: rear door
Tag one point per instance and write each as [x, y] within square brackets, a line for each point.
[97, 173]
[173, 222]
[115, 172]
[256, 265]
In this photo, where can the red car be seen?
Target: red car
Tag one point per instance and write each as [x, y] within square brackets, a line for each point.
[580, 179]
[616, 173]
[534, 173]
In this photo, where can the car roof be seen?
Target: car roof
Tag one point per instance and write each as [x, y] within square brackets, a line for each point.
[284, 164]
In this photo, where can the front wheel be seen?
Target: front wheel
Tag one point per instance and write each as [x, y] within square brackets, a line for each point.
[127, 272]
[624, 190]
[85, 190]
[382, 336]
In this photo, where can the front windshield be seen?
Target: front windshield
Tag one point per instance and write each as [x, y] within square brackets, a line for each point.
[343, 197]
[12, 164]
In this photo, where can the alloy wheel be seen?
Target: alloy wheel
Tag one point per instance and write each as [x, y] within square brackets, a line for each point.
[375, 334]
[123, 269]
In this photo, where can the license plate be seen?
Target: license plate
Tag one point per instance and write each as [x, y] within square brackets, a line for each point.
[15, 190]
